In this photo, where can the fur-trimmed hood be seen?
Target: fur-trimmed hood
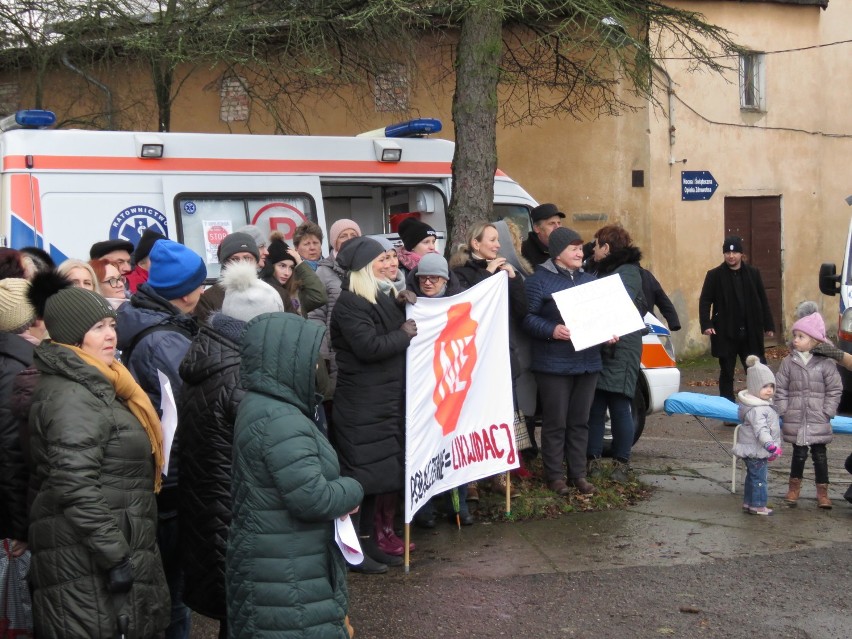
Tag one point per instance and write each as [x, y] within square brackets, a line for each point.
[618, 257]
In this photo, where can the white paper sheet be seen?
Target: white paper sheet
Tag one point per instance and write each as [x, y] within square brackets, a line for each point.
[347, 540]
[169, 418]
[596, 311]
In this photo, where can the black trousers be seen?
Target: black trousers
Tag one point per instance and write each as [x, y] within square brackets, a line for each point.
[565, 404]
[727, 365]
[820, 459]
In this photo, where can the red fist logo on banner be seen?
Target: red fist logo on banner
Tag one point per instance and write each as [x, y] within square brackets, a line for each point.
[455, 357]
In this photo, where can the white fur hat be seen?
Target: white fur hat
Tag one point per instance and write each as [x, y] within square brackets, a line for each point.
[246, 297]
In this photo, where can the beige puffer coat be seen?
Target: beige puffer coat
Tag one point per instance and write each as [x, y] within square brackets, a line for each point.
[807, 395]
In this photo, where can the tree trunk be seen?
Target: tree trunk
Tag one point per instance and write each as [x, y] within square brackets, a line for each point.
[475, 118]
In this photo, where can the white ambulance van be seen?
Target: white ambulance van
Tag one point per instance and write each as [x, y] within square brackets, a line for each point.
[64, 190]
[833, 283]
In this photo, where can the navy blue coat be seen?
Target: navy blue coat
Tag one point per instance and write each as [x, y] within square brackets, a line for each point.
[552, 356]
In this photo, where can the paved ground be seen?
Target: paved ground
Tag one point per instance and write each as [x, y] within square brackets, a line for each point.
[685, 563]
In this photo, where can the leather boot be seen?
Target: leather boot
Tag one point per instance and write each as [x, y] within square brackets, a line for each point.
[792, 496]
[822, 496]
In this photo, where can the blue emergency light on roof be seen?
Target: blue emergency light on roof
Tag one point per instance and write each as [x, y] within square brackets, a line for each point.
[28, 119]
[409, 129]
[413, 128]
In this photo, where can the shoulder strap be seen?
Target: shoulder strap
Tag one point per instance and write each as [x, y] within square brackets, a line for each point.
[127, 353]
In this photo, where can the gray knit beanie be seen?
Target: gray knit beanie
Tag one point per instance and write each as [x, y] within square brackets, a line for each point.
[757, 376]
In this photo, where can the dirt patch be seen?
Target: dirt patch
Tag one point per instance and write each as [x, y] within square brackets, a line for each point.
[701, 374]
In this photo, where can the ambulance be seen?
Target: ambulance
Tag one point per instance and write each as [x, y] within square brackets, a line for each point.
[64, 190]
[833, 283]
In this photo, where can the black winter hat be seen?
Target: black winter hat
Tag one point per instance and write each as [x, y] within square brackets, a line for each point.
[99, 249]
[69, 312]
[278, 253]
[413, 231]
[733, 243]
[234, 243]
[544, 212]
[358, 252]
[145, 244]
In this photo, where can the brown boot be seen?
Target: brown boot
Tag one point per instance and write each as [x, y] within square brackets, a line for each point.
[792, 496]
[822, 496]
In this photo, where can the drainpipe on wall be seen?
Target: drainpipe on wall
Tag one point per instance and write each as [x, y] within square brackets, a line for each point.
[67, 62]
[671, 104]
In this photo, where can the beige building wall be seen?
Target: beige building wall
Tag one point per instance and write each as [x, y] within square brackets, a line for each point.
[797, 149]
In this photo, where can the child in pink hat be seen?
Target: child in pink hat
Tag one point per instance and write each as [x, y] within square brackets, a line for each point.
[807, 395]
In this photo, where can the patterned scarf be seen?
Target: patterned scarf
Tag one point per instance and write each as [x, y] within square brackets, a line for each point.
[137, 401]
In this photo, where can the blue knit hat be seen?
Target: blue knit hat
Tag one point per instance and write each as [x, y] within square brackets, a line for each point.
[175, 270]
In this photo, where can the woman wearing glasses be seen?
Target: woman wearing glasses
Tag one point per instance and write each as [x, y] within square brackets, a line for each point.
[109, 282]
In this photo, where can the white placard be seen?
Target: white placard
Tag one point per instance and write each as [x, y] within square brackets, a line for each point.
[347, 540]
[169, 417]
[596, 311]
[214, 232]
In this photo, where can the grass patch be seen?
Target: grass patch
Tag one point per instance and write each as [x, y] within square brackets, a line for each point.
[535, 501]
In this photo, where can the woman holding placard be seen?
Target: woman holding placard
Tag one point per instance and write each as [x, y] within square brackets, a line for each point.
[615, 254]
[566, 377]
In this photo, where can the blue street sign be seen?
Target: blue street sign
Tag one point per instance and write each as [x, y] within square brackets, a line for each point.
[697, 185]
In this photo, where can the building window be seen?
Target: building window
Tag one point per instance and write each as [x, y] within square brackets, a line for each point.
[233, 100]
[752, 82]
[391, 89]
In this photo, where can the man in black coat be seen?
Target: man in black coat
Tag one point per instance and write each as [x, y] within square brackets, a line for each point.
[734, 312]
[545, 218]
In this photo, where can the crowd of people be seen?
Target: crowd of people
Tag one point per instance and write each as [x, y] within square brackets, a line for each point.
[288, 377]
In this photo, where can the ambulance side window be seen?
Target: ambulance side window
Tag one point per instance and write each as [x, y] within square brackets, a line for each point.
[516, 213]
[205, 219]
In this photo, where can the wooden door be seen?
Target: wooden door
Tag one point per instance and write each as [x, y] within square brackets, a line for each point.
[758, 221]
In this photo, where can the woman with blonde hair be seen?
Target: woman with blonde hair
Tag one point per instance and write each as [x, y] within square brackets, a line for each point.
[79, 273]
[370, 335]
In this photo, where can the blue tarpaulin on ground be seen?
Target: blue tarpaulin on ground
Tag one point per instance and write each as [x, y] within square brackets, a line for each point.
[715, 407]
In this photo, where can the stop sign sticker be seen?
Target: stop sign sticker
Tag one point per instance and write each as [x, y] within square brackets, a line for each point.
[215, 234]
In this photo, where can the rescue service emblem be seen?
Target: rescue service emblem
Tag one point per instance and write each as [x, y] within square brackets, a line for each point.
[133, 221]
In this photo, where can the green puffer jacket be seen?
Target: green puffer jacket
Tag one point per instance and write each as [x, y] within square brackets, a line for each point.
[95, 506]
[285, 576]
[621, 360]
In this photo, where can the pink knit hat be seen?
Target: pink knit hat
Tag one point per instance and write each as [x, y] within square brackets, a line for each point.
[812, 325]
[338, 227]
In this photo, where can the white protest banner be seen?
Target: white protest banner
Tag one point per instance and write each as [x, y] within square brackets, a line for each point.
[459, 412]
[596, 311]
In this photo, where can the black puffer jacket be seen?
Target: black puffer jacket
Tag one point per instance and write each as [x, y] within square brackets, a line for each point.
[369, 403]
[207, 412]
[16, 354]
[95, 506]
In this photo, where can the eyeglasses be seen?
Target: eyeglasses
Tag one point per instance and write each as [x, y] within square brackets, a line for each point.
[431, 279]
[115, 281]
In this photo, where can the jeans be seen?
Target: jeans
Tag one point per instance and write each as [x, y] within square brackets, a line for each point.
[621, 422]
[167, 540]
[754, 488]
